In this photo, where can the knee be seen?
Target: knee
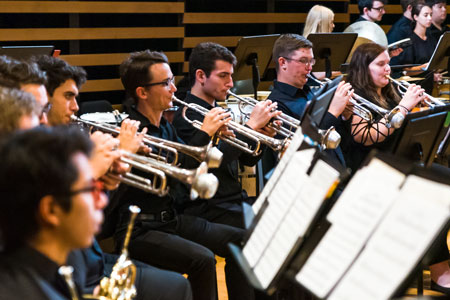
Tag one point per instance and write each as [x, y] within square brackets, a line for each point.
[204, 259]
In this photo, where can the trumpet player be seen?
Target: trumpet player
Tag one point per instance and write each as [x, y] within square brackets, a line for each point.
[51, 204]
[294, 59]
[368, 71]
[92, 264]
[210, 70]
[163, 237]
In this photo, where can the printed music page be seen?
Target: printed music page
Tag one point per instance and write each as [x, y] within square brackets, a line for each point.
[296, 222]
[296, 141]
[399, 242]
[360, 207]
[280, 200]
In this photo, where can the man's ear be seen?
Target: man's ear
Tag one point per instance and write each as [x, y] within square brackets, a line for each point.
[365, 11]
[200, 76]
[282, 63]
[49, 211]
[141, 92]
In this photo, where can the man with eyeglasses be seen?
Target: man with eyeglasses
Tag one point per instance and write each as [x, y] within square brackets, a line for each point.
[29, 78]
[50, 206]
[162, 236]
[371, 10]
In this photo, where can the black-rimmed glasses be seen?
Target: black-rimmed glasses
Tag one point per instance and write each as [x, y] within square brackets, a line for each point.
[379, 9]
[165, 83]
[95, 189]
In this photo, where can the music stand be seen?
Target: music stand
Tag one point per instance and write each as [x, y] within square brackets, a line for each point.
[331, 50]
[440, 58]
[25, 52]
[253, 54]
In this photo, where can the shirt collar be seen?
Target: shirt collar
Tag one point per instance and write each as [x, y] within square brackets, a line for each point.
[291, 90]
[134, 114]
[44, 266]
[190, 98]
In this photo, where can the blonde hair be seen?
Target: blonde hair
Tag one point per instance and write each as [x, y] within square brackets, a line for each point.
[318, 20]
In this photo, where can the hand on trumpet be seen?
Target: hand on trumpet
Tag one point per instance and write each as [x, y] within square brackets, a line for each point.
[117, 168]
[130, 139]
[340, 100]
[104, 152]
[413, 96]
[262, 113]
[216, 120]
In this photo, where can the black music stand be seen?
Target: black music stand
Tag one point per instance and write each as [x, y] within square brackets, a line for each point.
[440, 58]
[331, 50]
[25, 52]
[253, 54]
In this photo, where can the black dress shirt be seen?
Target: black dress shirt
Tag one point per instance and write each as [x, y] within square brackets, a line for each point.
[419, 52]
[436, 33]
[401, 29]
[150, 203]
[227, 173]
[291, 100]
[28, 274]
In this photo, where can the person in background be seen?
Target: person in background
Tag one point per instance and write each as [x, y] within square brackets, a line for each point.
[439, 12]
[371, 10]
[403, 29]
[320, 19]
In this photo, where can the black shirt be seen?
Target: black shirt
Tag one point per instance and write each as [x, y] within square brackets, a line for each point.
[436, 33]
[419, 52]
[401, 29]
[29, 274]
[151, 203]
[291, 100]
[229, 187]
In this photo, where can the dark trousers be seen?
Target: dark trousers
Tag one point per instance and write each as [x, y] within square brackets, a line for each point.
[153, 283]
[231, 214]
[188, 246]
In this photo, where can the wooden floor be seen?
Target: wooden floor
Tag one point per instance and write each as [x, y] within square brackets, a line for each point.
[221, 285]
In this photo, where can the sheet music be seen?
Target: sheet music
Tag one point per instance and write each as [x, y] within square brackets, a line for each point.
[362, 204]
[296, 141]
[280, 200]
[398, 243]
[298, 218]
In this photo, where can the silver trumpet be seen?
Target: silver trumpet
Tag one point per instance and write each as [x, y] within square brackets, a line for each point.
[202, 183]
[330, 138]
[66, 272]
[208, 153]
[291, 122]
[364, 108]
[402, 87]
[258, 138]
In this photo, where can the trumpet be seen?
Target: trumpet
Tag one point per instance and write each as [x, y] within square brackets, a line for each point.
[402, 87]
[202, 183]
[364, 108]
[330, 138]
[291, 122]
[208, 153]
[66, 272]
[258, 138]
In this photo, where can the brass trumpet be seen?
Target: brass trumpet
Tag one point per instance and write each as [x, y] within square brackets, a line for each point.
[402, 87]
[208, 153]
[364, 108]
[259, 138]
[66, 272]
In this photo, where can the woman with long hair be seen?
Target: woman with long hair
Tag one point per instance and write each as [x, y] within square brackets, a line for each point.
[320, 19]
[368, 71]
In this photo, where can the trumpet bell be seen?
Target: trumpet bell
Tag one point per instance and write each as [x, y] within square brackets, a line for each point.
[205, 186]
[330, 138]
[395, 118]
[214, 157]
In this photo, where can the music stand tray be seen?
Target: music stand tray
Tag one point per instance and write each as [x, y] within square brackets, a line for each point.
[331, 50]
[440, 58]
[25, 52]
[253, 54]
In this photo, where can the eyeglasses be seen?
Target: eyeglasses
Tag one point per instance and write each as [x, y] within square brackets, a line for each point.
[303, 60]
[379, 9]
[165, 83]
[95, 189]
[45, 109]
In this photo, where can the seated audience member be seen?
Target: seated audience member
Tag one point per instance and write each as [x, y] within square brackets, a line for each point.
[51, 205]
[371, 10]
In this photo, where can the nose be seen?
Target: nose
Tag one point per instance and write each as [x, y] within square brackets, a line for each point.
[173, 87]
[43, 120]
[74, 105]
[102, 201]
[229, 84]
